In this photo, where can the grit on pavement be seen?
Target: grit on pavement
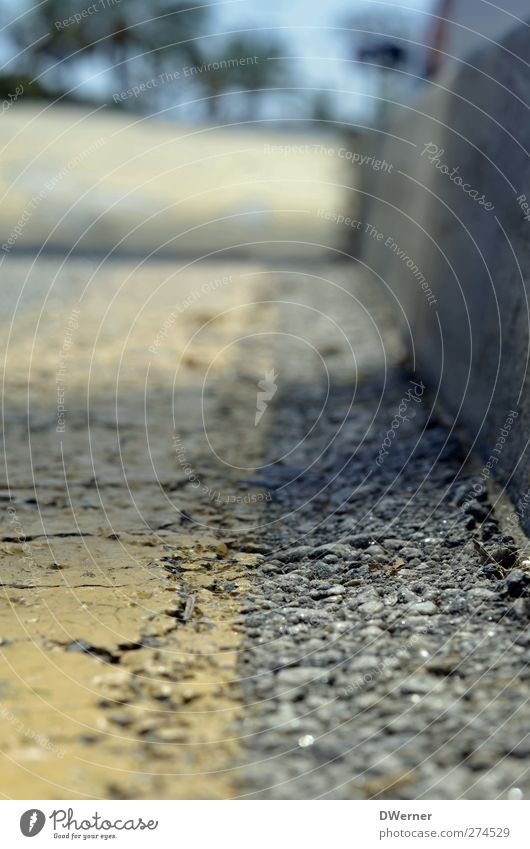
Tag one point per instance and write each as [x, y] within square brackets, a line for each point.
[242, 552]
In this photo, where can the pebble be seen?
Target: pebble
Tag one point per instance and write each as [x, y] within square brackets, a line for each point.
[516, 583]
[172, 735]
[383, 669]
[299, 676]
[410, 552]
[121, 719]
[370, 608]
[426, 608]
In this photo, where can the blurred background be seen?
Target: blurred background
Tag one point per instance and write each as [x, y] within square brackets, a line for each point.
[253, 150]
[162, 126]
[308, 64]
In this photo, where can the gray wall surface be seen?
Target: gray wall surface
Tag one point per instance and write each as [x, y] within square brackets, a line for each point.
[473, 250]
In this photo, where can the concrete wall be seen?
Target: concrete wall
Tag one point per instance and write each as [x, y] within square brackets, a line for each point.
[472, 343]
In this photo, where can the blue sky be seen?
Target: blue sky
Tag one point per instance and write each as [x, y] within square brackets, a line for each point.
[305, 27]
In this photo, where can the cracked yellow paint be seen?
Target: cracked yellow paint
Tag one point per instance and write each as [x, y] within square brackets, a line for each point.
[118, 611]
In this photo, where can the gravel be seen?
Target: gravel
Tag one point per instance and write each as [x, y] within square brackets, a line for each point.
[396, 657]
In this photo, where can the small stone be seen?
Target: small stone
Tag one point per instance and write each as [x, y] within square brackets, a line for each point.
[161, 692]
[445, 664]
[520, 609]
[295, 554]
[425, 608]
[323, 570]
[359, 540]
[515, 794]
[121, 719]
[457, 606]
[478, 511]
[300, 676]
[394, 543]
[306, 740]
[417, 685]
[516, 583]
[480, 594]
[336, 589]
[524, 638]
[506, 555]
[336, 548]
[409, 552]
[370, 608]
[172, 735]
[405, 596]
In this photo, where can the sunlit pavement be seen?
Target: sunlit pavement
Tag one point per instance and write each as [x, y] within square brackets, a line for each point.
[129, 420]
[201, 555]
[104, 181]
[114, 686]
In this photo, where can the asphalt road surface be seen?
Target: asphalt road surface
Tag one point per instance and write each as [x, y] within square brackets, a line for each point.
[244, 553]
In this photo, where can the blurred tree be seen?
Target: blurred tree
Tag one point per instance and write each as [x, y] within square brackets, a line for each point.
[132, 42]
[245, 65]
[120, 32]
[323, 110]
